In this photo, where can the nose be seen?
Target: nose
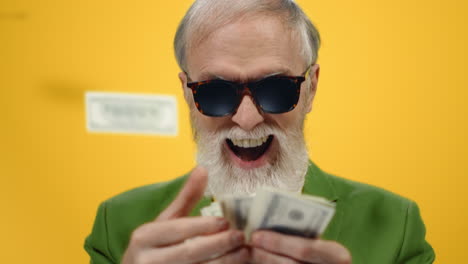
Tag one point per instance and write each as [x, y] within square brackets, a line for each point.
[247, 115]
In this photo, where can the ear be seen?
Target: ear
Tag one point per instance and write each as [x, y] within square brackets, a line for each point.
[183, 82]
[314, 76]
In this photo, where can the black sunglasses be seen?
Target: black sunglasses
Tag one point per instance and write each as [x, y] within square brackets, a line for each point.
[274, 94]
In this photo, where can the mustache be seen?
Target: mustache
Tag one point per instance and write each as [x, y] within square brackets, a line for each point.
[239, 133]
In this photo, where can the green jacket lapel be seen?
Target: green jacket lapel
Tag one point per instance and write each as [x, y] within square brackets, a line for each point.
[318, 183]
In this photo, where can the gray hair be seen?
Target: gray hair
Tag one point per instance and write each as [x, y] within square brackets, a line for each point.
[205, 16]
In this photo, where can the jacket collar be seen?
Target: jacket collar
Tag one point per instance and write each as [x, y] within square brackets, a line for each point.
[318, 183]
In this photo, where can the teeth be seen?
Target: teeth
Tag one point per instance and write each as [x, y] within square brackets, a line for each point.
[249, 142]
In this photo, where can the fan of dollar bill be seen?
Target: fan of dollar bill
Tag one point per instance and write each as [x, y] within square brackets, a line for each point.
[287, 213]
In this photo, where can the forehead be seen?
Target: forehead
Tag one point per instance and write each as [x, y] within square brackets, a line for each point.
[248, 48]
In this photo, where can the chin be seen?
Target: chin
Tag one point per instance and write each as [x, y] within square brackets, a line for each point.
[240, 162]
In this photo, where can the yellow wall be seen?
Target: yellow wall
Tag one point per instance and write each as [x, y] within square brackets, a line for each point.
[391, 111]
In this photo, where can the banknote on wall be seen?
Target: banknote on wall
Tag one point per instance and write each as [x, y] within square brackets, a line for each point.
[127, 113]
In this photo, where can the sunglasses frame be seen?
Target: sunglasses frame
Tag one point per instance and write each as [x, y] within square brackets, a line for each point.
[248, 88]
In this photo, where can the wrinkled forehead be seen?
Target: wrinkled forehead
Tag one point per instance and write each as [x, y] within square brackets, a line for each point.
[202, 27]
[244, 49]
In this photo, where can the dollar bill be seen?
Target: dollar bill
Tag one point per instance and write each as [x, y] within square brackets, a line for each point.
[279, 211]
[214, 209]
[288, 213]
[236, 210]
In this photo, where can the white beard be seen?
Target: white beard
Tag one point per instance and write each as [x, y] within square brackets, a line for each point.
[286, 171]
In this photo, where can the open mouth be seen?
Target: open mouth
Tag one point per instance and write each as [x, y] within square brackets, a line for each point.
[250, 149]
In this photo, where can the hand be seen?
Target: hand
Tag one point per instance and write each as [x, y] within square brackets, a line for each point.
[165, 239]
[272, 247]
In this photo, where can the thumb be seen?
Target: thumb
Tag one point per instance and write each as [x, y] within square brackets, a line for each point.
[188, 197]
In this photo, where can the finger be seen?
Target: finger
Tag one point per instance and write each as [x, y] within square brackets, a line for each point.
[157, 234]
[199, 249]
[303, 249]
[260, 256]
[188, 197]
[235, 257]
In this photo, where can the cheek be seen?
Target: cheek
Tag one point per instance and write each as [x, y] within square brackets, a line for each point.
[200, 121]
[209, 124]
[288, 120]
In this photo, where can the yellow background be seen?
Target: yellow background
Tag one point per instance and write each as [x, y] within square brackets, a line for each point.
[390, 110]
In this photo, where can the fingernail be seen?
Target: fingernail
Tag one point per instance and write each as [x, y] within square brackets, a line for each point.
[257, 239]
[222, 223]
[238, 237]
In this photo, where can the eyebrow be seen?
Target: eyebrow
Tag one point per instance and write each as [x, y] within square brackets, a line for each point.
[274, 74]
[213, 76]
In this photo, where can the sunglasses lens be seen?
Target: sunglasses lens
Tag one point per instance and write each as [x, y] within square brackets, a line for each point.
[216, 98]
[277, 95]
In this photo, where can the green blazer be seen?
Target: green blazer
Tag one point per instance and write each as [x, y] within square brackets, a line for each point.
[377, 226]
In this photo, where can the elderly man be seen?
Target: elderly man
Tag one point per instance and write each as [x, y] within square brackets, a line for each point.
[249, 76]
